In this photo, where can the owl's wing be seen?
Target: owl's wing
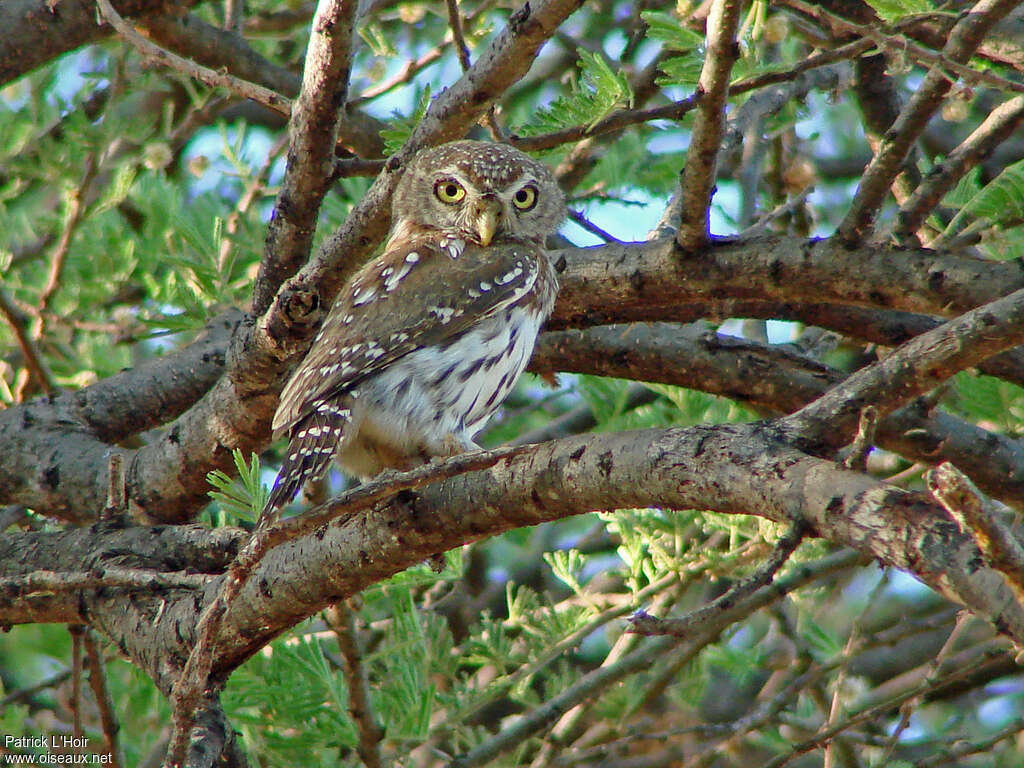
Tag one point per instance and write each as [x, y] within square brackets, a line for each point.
[411, 297]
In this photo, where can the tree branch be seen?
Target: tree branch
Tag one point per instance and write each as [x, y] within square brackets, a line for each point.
[698, 177]
[316, 115]
[35, 32]
[612, 283]
[996, 128]
[913, 369]
[963, 40]
[258, 93]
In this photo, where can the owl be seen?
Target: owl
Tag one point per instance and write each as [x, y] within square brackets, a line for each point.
[426, 340]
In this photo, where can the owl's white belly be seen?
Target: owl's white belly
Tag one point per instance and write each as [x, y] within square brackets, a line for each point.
[439, 397]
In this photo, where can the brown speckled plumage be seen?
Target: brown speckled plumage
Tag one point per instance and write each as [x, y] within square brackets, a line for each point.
[425, 341]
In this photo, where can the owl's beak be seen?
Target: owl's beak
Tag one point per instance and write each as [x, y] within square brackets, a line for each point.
[487, 221]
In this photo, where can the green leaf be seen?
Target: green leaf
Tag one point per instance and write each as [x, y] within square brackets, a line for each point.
[669, 30]
[565, 564]
[401, 127]
[988, 399]
[1001, 200]
[891, 11]
[677, 70]
[244, 497]
[598, 91]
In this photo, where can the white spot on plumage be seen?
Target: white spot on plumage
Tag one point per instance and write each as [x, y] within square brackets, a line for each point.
[363, 295]
[444, 314]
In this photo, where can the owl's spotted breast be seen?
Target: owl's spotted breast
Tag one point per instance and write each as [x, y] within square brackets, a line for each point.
[435, 399]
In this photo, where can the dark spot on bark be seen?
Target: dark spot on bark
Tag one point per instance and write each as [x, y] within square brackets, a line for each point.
[987, 318]
[835, 505]
[775, 271]
[518, 20]
[535, 498]
[320, 532]
[605, 463]
[877, 297]
[575, 455]
[560, 264]
[174, 435]
[936, 280]
[51, 477]
[265, 588]
[636, 280]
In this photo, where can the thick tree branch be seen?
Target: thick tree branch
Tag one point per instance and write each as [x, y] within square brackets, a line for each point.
[57, 448]
[36, 32]
[314, 132]
[65, 471]
[775, 379]
[642, 281]
[732, 469]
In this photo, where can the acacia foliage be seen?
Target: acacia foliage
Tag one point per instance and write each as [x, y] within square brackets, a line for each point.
[134, 202]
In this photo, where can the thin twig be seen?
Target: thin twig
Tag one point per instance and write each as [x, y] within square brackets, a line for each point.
[902, 46]
[857, 458]
[265, 96]
[591, 227]
[104, 701]
[341, 618]
[934, 670]
[459, 38]
[24, 694]
[76, 207]
[76, 631]
[101, 578]
[996, 128]
[256, 185]
[826, 734]
[38, 370]
[698, 177]
[965, 37]
[592, 683]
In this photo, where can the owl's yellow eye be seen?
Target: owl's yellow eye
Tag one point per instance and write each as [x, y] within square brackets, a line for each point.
[525, 198]
[448, 191]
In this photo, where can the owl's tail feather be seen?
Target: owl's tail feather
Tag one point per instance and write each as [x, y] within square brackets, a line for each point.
[314, 441]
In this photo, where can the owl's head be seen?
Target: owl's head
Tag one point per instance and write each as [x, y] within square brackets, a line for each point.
[478, 191]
